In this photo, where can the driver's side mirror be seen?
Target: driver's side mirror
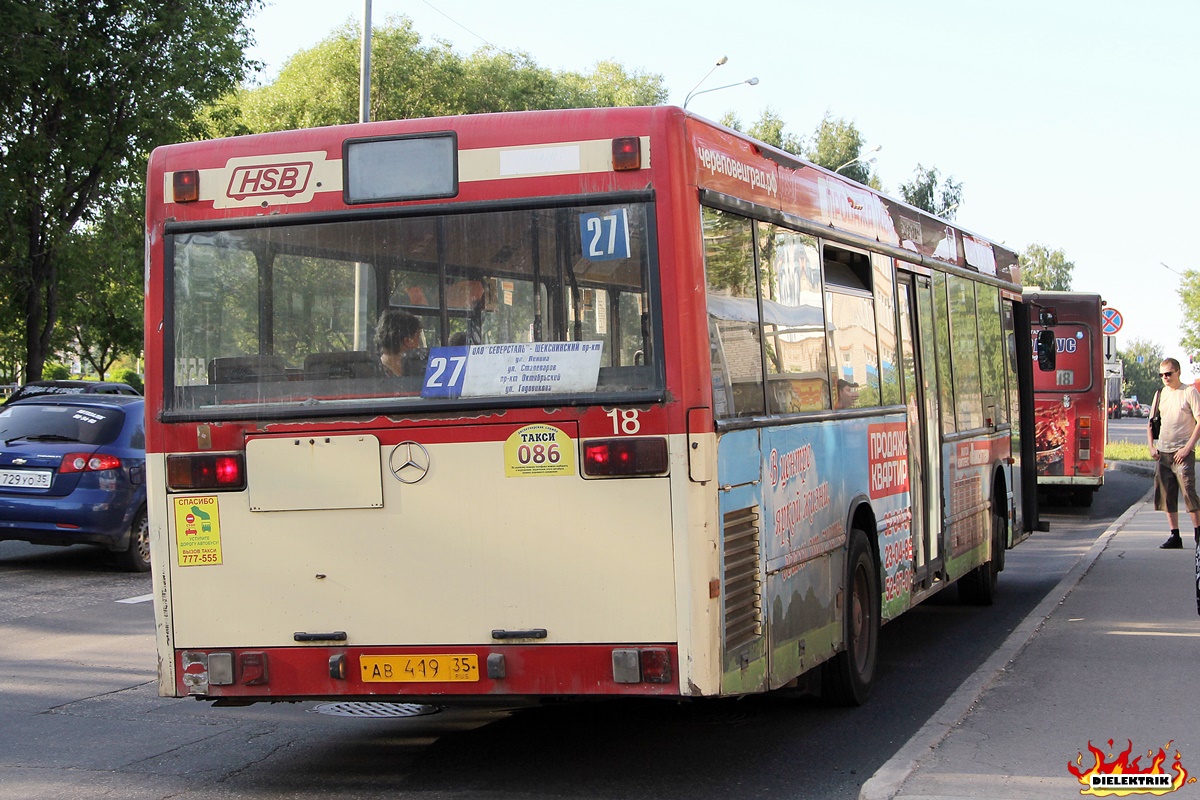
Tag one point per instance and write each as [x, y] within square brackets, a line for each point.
[1047, 352]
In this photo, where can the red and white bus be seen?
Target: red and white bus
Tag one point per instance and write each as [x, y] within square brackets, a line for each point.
[688, 416]
[1070, 401]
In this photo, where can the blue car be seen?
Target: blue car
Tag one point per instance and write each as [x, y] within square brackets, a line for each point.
[73, 471]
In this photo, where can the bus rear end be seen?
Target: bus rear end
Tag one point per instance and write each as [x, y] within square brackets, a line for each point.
[1070, 401]
[496, 512]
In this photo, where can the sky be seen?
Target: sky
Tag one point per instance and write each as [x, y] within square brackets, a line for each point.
[1070, 123]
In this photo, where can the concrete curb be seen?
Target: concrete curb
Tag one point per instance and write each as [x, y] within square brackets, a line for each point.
[889, 779]
[1145, 468]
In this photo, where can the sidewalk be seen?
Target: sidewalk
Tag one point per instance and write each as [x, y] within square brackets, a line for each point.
[1109, 654]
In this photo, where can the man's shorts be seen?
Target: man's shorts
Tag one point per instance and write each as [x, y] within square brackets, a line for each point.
[1169, 477]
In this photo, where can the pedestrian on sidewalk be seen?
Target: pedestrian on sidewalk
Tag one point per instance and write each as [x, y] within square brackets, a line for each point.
[1178, 409]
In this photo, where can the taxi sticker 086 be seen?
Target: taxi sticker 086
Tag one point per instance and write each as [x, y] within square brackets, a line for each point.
[197, 531]
[536, 451]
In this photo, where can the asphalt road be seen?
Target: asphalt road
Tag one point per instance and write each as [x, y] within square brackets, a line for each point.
[82, 717]
[1127, 429]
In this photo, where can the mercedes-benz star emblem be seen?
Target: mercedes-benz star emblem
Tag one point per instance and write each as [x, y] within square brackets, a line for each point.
[409, 462]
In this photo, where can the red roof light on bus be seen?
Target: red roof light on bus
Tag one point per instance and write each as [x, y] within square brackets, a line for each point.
[627, 153]
[185, 185]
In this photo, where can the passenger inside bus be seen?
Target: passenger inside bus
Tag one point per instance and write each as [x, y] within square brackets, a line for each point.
[847, 393]
[398, 341]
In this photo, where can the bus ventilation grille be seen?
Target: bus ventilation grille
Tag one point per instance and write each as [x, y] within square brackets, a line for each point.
[742, 583]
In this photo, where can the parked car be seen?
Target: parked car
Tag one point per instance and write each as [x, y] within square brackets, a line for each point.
[1145, 409]
[1131, 408]
[37, 388]
[73, 471]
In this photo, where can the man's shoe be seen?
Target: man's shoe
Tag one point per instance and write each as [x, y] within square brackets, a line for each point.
[1172, 543]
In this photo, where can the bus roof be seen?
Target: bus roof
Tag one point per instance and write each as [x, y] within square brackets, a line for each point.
[563, 151]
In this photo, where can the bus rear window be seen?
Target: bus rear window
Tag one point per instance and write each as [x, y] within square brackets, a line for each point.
[487, 308]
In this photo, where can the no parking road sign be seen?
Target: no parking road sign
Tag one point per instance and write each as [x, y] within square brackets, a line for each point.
[1112, 321]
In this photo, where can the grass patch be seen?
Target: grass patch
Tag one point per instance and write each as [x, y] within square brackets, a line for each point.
[1126, 451]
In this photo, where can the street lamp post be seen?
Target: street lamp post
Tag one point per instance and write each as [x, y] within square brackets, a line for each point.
[748, 81]
[720, 62]
[861, 157]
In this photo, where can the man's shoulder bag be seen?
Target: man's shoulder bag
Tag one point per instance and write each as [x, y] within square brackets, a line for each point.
[1155, 418]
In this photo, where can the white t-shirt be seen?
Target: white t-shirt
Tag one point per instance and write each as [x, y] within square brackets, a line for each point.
[1180, 409]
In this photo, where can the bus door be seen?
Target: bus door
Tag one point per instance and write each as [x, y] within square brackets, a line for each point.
[921, 397]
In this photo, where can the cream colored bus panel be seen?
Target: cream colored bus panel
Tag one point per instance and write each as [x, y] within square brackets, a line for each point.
[447, 560]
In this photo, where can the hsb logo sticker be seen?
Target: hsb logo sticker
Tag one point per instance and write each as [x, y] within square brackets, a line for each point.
[269, 179]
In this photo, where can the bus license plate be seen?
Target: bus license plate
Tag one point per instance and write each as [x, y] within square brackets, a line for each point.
[420, 668]
[34, 479]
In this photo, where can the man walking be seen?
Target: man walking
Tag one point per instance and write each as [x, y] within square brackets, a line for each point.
[1178, 406]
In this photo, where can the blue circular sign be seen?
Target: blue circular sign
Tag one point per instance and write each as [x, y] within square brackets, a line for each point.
[1112, 321]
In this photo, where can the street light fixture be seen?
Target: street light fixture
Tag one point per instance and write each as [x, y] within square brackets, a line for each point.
[861, 157]
[720, 62]
[748, 81]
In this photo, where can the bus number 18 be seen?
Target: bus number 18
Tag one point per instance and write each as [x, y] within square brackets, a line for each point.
[625, 421]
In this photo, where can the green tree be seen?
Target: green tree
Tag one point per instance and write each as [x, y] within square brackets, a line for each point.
[89, 90]
[100, 284]
[928, 192]
[412, 78]
[770, 129]
[1141, 359]
[1045, 268]
[1189, 303]
[835, 142]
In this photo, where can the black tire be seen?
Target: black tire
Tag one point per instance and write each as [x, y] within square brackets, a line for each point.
[847, 678]
[137, 557]
[978, 587]
[1084, 496]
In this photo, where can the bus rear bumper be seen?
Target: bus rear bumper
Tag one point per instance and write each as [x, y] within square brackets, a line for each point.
[433, 673]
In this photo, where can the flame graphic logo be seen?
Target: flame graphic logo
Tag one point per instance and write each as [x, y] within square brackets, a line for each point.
[1118, 776]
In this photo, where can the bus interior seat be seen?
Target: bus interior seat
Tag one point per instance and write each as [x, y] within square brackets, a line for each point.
[247, 369]
[339, 364]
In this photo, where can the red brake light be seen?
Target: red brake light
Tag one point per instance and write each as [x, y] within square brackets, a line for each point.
[88, 462]
[185, 185]
[194, 471]
[627, 153]
[620, 458]
[656, 665]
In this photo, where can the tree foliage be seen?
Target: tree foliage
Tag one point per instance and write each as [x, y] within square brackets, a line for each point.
[1045, 268]
[837, 142]
[1189, 303]
[412, 78]
[90, 88]
[928, 192]
[100, 282]
[1140, 360]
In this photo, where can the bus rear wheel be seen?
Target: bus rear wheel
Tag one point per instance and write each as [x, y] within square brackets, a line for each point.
[978, 587]
[847, 678]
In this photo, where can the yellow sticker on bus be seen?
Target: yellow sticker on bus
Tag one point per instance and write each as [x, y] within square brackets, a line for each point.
[536, 451]
[197, 531]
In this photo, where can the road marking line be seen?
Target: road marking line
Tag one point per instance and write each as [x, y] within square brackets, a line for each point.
[143, 598]
[1149, 633]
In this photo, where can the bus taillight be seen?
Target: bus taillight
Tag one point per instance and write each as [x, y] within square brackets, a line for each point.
[621, 458]
[214, 471]
[1084, 424]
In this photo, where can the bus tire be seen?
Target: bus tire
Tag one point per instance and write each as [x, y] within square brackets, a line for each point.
[847, 678]
[1084, 496]
[978, 587]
